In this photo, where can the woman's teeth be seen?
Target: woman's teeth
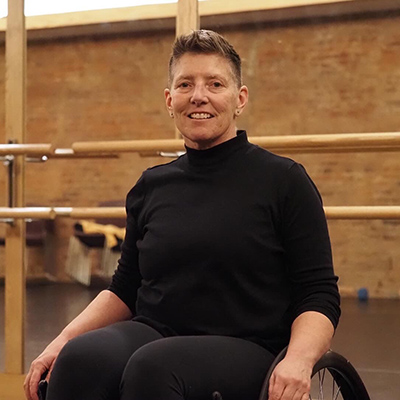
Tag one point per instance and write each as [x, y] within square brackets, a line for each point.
[200, 115]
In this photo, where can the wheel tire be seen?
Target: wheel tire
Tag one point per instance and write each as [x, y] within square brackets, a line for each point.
[347, 378]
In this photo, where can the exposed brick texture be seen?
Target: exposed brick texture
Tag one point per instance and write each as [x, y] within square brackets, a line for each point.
[318, 77]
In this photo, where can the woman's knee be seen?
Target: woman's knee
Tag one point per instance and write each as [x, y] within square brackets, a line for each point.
[79, 355]
[83, 370]
[70, 354]
[94, 362]
[150, 374]
[106, 348]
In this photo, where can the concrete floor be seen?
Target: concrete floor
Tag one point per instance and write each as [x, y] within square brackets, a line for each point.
[368, 333]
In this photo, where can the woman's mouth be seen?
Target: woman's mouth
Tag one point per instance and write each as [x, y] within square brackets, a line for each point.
[200, 115]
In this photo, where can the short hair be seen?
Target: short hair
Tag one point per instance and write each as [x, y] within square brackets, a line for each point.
[205, 42]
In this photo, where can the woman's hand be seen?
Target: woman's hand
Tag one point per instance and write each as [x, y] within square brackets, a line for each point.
[42, 364]
[290, 380]
[310, 338]
[92, 317]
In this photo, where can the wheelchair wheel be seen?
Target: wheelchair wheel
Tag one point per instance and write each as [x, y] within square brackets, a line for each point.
[333, 378]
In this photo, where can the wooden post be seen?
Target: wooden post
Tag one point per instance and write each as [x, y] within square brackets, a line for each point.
[15, 233]
[187, 19]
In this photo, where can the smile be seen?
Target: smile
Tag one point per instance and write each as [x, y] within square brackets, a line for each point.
[200, 116]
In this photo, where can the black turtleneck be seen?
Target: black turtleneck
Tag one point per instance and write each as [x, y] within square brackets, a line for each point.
[227, 241]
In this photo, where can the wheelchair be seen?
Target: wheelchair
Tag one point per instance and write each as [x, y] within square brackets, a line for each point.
[333, 378]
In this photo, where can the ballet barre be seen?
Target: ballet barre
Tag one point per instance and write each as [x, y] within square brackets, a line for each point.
[90, 212]
[338, 142]
[27, 213]
[331, 212]
[127, 146]
[38, 149]
[335, 143]
[67, 153]
[40, 152]
[362, 212]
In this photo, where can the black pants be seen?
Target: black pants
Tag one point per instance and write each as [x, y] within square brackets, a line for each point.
[132, 361]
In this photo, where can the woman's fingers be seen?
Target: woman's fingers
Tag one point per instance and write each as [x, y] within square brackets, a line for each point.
[42, 365]
[290, 381]
[32, 380]
[276, 388]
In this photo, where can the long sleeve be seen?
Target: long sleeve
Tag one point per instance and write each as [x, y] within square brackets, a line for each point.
[127, 278]
[307, 248]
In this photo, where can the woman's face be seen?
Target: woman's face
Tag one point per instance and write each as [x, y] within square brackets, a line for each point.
[205, 100]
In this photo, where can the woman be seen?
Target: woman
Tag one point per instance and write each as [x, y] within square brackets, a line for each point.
[226, 260]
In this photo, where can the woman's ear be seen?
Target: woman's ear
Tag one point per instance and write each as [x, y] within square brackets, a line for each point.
[243, 98]
[168, 102]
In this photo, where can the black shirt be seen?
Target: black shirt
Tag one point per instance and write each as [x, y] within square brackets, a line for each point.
[229, 241]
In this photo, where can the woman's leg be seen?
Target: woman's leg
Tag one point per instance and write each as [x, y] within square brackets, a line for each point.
[90, 366]
[194, 367]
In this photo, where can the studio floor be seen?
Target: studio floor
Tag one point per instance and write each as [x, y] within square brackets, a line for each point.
[368, 333]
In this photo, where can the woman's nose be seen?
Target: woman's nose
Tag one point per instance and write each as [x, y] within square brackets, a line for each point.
[199, 95]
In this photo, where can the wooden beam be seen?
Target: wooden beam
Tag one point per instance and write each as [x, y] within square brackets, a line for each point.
[11, 387]
[215, 13]
[187, 18]
[15, 233]
[296, 8]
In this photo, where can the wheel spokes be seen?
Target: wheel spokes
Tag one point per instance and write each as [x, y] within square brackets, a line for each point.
[325, 387]
[321, 380]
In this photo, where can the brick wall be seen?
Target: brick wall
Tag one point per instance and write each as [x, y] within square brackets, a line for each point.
[326, 76]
